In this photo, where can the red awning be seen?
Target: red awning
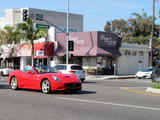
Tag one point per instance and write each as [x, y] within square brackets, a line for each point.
[44, 50]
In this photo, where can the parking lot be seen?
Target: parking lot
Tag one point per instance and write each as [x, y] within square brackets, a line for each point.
[112, 99]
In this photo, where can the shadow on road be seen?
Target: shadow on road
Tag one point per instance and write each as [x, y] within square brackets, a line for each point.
[72, 93]
[89, 82]
[56, 92]
[4, 87]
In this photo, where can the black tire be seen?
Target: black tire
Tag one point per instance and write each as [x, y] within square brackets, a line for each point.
[46, 86]
[2, 73]
[14, 83]
[82, 80]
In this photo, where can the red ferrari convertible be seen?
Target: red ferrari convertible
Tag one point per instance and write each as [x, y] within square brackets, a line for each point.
[44, 78]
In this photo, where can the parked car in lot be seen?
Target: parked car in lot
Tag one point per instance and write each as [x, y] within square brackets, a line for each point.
[146, 73]
[71, 69]
[5, 71]
[44, 78]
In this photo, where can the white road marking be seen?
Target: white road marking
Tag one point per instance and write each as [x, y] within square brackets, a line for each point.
[109, 103]
[134, 87]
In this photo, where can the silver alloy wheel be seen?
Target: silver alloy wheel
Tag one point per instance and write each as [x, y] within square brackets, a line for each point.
[14, 83]
[45, 86]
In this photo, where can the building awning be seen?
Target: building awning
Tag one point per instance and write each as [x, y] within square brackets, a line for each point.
[90, 44]
[41, 50]
[96, 51]
[108, 52]
[44, 50]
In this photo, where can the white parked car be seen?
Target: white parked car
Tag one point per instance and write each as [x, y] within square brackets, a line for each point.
[5, 71]
[71, 69]
[146, 73]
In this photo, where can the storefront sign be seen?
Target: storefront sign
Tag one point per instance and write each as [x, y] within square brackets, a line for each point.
[40, 53]
[108, 40]
[76, 40]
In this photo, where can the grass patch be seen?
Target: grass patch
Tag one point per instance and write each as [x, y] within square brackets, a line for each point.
[157, 86]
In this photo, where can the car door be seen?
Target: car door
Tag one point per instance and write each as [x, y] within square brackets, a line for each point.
[30, 78]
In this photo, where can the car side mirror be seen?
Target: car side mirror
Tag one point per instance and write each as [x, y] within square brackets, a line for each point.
[30, 72]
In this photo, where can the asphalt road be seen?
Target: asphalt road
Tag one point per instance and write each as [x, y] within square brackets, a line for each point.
[99, 100]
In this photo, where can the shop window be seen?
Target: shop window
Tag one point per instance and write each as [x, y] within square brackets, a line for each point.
[134, 53]
[45, 61]
[39, 17]
[140, 53]
[127, 52]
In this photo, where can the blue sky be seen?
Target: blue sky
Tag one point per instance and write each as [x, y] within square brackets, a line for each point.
[96, 12]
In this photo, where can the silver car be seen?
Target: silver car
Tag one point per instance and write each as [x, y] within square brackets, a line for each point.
[71, 69]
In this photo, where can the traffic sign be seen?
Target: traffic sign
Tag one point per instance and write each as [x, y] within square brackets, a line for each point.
[42, 26]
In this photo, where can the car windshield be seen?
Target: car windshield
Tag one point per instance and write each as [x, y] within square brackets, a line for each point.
[76, 67]
[148, 70]
[46, 69]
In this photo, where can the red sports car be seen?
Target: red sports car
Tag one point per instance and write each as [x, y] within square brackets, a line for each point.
[44, 78]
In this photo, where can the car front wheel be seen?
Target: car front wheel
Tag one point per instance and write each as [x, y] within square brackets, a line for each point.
[14, 83]
[45, 86]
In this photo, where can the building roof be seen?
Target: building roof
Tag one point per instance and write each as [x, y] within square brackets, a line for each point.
[90, 44]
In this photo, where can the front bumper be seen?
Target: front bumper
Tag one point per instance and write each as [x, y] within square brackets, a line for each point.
[66, 86]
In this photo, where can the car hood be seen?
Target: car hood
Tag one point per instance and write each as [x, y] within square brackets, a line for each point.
[65, 77]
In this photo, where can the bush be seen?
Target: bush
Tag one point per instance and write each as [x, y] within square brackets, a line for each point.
[103, 71]
[157, 86]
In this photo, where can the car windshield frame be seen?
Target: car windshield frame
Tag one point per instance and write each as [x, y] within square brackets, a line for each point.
[45, 69]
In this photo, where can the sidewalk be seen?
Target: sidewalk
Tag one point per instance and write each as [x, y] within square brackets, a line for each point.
[104, 77]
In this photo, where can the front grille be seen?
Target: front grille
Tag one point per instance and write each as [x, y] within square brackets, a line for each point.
[72, 85]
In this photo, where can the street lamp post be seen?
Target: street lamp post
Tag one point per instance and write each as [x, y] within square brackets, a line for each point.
[67, 36]
[152, 33]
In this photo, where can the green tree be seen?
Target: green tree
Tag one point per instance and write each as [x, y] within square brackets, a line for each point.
[30, 34]
[136, 29]
[8, 37]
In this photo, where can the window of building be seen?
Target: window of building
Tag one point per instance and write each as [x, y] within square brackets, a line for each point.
[39, 17]
[134, 53]
[140, 53]
[127, 52]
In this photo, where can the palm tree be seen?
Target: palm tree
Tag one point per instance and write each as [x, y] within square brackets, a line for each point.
[31, 34]
[8, 37]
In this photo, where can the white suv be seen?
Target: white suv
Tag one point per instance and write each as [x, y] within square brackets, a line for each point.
[71, 69]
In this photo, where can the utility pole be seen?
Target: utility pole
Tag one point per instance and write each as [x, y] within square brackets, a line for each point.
[67, 37]
[152, 33]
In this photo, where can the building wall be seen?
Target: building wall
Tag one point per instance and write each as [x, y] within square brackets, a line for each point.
[14, 16]
[89, 62]
[134, 58]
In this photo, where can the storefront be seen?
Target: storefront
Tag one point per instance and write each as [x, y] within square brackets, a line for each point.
[90, 48]
[43, 53]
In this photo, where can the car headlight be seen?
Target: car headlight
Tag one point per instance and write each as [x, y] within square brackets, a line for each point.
[56, 78]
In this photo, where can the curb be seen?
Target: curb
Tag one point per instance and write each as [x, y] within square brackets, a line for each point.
[153, 90]
[109, 77]
[122, 77]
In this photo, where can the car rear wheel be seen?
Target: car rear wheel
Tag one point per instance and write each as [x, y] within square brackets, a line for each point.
[14, 83]
[45, 86]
